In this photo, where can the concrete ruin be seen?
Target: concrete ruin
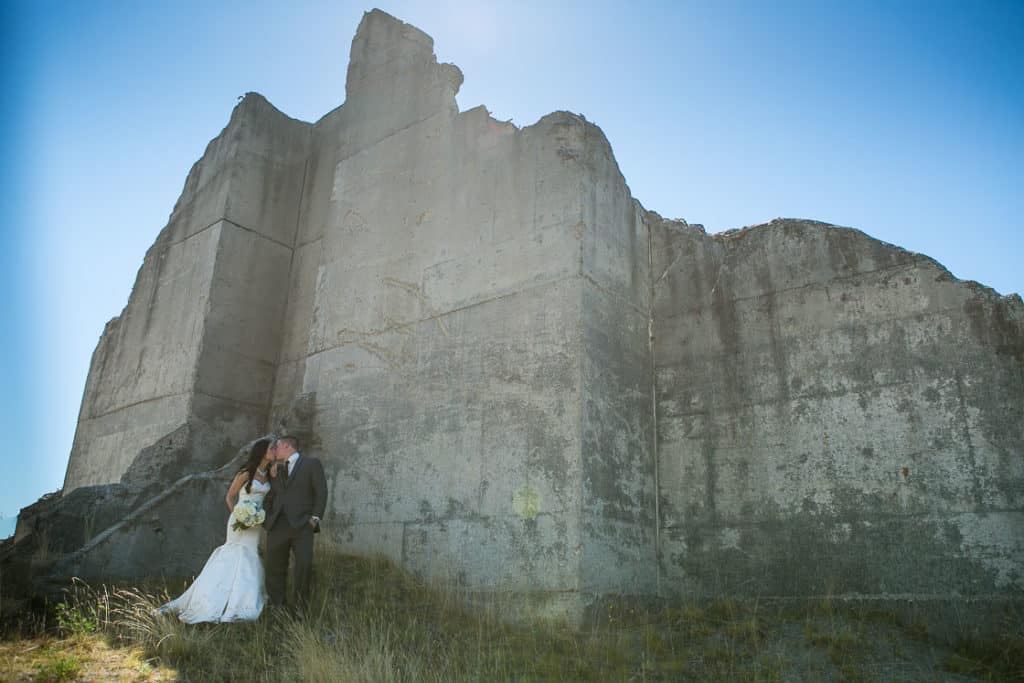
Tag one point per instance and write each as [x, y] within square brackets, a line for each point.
[521, 380]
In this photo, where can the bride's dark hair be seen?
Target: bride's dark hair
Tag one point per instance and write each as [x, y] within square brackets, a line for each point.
[256, 453]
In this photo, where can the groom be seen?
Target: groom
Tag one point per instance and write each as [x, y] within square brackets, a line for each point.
[295, 505]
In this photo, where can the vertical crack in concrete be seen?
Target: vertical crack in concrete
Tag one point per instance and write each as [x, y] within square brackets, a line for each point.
[965, 420]
[654, 406]
[718, 278]
[287, 300]
[669, 267]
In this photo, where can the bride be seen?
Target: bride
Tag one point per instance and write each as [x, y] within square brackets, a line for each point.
[230, 587]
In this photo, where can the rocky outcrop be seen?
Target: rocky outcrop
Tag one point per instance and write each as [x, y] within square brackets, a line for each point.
[520, 380]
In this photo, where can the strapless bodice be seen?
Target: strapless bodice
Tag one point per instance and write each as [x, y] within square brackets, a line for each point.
[257, 492]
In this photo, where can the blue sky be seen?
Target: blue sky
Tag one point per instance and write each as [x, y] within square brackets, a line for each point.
[903, 119]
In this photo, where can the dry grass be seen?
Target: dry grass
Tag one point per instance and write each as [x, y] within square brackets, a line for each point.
[93, 658]
[373, 622]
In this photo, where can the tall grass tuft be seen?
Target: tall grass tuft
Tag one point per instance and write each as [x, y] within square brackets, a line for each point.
[371, 622]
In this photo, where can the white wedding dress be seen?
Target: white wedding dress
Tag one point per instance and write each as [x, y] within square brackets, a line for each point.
[230, 587]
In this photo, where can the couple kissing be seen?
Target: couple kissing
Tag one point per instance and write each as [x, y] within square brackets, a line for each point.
[286, 493]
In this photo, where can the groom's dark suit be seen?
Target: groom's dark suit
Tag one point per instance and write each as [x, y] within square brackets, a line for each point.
[294, 499]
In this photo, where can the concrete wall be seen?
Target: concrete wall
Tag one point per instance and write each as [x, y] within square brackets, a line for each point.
[835, 415]
[200, 336]
[167, 521]
[454, 309]
[618, 504]
[518, 379]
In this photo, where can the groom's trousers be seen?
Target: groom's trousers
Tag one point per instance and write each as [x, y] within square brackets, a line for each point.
[284, 540]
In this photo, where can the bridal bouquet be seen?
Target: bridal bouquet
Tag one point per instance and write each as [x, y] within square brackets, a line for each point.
[247, 514]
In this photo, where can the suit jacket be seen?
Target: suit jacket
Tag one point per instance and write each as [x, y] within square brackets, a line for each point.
[299, 496]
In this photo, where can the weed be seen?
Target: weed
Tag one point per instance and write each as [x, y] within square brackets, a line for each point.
[58, 670]
[73, 620]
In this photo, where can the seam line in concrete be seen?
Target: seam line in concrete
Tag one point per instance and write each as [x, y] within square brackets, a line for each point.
[312, 241]
[258, 234]
[845, 326]
[613, 295]
[386, 137]
[553, 514]
[136, 403]
[824, 284]
[942, 514]
[802, 397]
[161, 398]
[234, 351]
[229, 399]
[405, 326]
[223, 219]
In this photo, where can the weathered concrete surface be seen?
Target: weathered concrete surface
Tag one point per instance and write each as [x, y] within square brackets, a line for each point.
[451, 289]
[835, 415]
[618, 478]
[447, 314]
[166, 521]
[69, 519]
[520, 380]
[199, 337]
[153, 522]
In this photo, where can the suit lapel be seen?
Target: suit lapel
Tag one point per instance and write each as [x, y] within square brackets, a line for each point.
[294, 471]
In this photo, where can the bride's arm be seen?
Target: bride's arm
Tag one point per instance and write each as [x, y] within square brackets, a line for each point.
[236, 486]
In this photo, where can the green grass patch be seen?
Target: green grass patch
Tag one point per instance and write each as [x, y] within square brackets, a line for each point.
[58, 670]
